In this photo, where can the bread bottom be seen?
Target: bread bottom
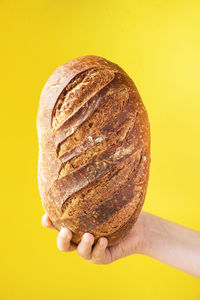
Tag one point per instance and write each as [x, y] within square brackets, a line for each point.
[119, 234]
[123, 231]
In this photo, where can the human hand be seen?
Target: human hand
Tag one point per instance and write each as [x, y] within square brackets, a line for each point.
[100, 253]
[168, 242]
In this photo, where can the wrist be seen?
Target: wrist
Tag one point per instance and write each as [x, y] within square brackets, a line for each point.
[144, 224]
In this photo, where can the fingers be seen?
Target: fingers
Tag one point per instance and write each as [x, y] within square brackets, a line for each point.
[64, 240]
[99, 251]
[84, 248]
[46, 222]
[96, 255]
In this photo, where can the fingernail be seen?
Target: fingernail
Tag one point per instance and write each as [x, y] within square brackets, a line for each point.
[63, 230]
[103, 241]
[86, 236]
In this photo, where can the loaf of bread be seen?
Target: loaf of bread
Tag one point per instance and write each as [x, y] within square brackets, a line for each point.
[94, 149]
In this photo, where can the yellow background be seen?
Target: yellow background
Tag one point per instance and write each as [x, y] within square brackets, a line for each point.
[158, 44]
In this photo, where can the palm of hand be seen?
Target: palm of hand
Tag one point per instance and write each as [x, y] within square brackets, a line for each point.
[129, 245]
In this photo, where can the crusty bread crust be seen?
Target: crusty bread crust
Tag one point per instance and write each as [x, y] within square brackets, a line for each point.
[94, 149]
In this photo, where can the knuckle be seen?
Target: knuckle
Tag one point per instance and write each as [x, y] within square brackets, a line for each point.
[81, 252]
[96, 257]
[96, 261]
[63, 250]
[92, 261]
[62, 247]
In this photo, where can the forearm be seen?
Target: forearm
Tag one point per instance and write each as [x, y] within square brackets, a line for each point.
[172, 244]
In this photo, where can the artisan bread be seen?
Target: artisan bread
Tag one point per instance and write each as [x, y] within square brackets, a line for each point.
[94, 149]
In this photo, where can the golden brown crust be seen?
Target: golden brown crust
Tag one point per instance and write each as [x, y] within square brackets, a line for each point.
[94, 149]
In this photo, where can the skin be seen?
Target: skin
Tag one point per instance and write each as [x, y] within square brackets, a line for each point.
[153, 236]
